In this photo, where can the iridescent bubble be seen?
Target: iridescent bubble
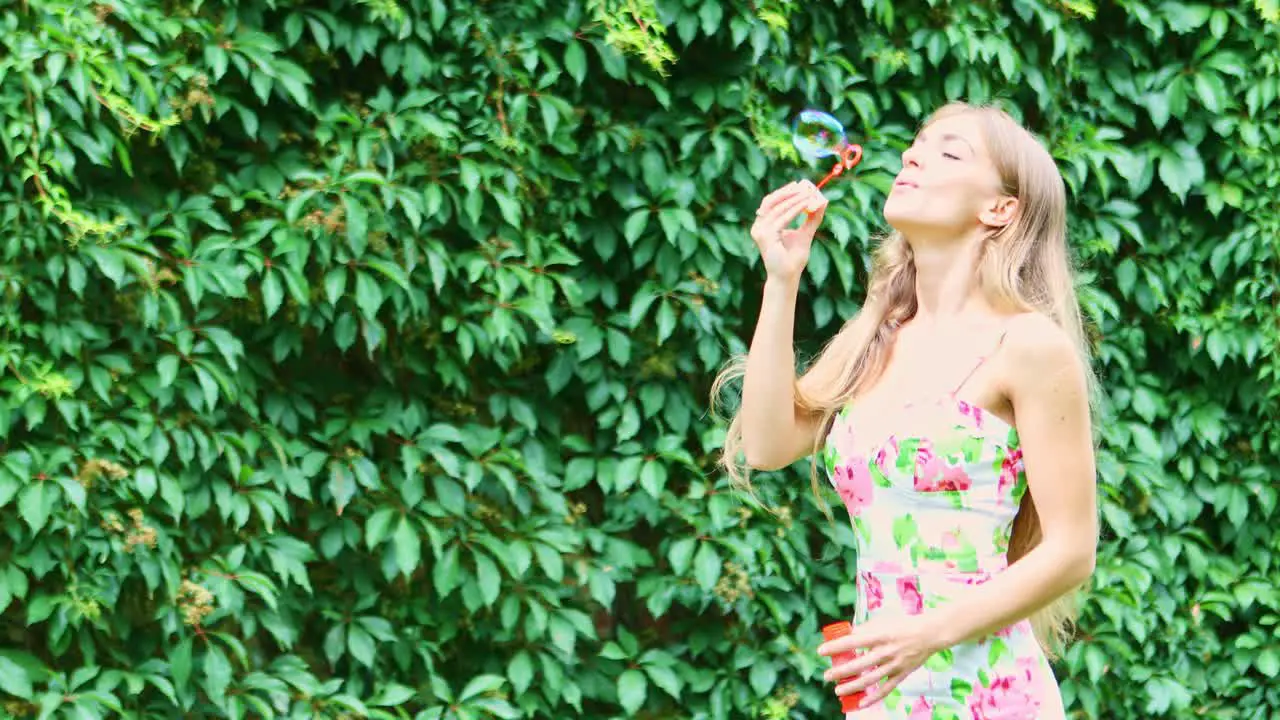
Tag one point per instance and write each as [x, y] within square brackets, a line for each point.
[817, 135]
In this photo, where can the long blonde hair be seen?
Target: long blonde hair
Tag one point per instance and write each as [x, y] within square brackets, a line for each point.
[1024, 267]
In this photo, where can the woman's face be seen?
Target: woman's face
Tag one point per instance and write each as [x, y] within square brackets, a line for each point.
[949, 185]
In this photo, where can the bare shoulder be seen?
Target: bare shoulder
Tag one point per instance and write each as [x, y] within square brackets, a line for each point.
[1042, 354]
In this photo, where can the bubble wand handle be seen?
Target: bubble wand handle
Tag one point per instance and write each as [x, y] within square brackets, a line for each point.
[850, 156]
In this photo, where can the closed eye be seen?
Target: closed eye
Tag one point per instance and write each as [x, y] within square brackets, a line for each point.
[949, 156]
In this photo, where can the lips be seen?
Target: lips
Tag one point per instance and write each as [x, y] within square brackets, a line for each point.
[905, 184]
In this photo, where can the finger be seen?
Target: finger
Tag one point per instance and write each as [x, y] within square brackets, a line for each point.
[773, 198]
[854, 642]
[879, 693]
[782, 194]
[786, 211]
[859, 665]
[865, 680]
[816, 198]
[772, 204]
[815, 212]
[862, 637]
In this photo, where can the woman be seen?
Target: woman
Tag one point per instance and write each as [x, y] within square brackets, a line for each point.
[956, 397]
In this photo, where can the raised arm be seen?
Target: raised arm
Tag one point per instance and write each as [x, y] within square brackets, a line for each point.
[775, 433]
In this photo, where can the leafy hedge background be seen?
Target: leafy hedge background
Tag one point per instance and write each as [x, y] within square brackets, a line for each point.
[356, 354]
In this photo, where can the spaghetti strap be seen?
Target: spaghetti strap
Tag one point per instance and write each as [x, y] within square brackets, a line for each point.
[981, 360]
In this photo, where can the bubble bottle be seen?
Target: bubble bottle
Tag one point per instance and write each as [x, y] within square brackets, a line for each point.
[848, 703]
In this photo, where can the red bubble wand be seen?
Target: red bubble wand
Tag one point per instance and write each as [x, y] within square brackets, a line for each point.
[850, 155]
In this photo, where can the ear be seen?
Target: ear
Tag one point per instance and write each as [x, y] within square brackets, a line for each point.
[1000, 212]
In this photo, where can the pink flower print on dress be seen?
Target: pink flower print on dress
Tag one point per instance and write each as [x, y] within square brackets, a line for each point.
[928, 465]
[1010, 697]
[1007, 631]
[972, 411]
[922, 710]
[853, 482]
[1009, 470]
[883, 455]
[872, 591]
[935, 475]
[909, 592]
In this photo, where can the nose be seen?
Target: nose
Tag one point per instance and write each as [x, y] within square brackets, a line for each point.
[910, 157]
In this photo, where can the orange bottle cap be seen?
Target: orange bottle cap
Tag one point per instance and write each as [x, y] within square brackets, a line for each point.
[837, 629]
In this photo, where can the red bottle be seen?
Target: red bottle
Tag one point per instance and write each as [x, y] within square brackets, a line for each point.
[848, 703]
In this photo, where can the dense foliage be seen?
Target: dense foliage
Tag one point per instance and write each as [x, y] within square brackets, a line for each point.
[356, 354]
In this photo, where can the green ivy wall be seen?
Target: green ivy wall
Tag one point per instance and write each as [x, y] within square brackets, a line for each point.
[356, 354]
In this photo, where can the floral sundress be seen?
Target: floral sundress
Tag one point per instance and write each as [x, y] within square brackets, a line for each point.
[933, 512]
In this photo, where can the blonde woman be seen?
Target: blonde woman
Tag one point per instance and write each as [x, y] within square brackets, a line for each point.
[951, 414]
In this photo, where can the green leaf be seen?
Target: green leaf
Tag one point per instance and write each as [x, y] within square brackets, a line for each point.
[217, 673]
[666, 321]
[344, 331]
[180, 662]
[335, 284]
[562, 635]
[632, 688]
[167, 370]
[653, 478]
[635, 225]
[357, 220]
[228, 346]
[550, 561]
[110, 263]
[1126, 276]
[378, 527]
[392, 272]
[272, 292]
[342, 487]
[706, 566]
[480, 685]
[407, 546]
[145, 480]
[15, 680]
[710, 13]
[392, 695]
[368, 294]
[1181, 169]
[446, 573]
[666, 679]
[575, 61]
[520, 671]
[681, 554]
[488, 577]
[34, 504]
[763, 677]
[361, 645]
[451, 496]
[1268, 662]
[602, 587]
[511, 211]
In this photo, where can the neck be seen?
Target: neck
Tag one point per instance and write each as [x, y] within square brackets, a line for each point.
[947, 281]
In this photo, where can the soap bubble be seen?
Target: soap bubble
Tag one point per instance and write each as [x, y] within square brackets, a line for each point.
[818, 135]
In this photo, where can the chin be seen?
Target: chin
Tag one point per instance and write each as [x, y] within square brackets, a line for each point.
[919, 220]
[900, 216]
